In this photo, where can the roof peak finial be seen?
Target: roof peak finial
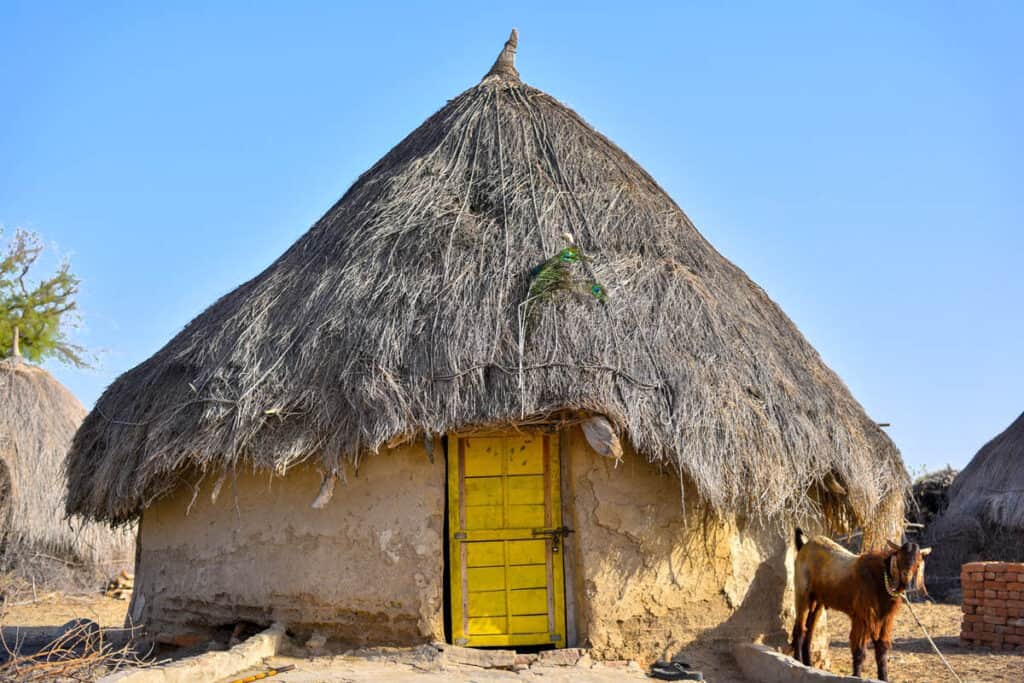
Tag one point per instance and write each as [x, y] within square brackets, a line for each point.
[16, 344]
[505, 65]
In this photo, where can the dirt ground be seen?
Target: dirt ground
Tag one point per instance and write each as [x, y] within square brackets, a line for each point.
[55, 609]
[912, 659]
[359, 670]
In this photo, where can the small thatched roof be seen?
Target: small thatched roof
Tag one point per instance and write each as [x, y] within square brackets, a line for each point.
[396, 316]
[931, 495]
[38, 418]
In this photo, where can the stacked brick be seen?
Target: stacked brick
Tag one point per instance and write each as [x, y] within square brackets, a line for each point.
[993, 605]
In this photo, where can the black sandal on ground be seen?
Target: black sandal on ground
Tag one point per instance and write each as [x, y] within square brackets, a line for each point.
[675, 671]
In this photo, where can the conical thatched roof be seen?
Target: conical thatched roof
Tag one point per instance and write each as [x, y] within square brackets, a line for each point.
[991, 487]
[985, 516]
[396, 316]
[38, 418]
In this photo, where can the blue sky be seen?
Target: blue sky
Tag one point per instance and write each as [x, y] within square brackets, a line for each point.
[863, 164]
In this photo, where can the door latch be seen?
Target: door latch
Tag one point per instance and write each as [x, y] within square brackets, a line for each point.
[556, 535]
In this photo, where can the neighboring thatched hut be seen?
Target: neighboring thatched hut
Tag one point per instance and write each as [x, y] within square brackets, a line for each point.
[984, 519]
[674, 419]
[38, 418]
[931, 495]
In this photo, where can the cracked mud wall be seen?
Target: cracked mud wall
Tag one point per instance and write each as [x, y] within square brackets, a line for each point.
[367, 568]
[653, 582]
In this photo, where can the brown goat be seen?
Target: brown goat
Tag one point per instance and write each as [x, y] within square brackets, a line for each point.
[867, 587]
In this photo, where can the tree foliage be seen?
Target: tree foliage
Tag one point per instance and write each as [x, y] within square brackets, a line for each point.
[42, 309]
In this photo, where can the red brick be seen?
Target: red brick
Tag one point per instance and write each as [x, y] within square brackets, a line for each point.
[1003, 594]
[1004, 629]
[996, 585]
[968, 609]
[1015, 586]
[1010, 638]
[988, 628]
[994, 619]
[972, 566]
[1016, 595]
[990, 575]
[990, 593]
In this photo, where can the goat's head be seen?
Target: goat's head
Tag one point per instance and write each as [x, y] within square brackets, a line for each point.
[905, 567]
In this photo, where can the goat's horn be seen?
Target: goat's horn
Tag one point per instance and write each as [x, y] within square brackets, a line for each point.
[892, 545]
[925, 551]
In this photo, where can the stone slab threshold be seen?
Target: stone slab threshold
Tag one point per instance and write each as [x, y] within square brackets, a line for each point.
[762, 663]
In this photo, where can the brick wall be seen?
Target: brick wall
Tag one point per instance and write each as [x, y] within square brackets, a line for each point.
[993, 605]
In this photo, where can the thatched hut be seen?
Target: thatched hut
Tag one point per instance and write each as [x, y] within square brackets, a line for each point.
[931, 495]
[38, 418]
[392, 426]
[984, 519]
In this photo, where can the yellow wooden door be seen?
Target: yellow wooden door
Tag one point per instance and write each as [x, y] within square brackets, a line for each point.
[506, 534]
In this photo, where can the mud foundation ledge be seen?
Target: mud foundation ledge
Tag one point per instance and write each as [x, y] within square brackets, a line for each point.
[210, 666]
[761, 663]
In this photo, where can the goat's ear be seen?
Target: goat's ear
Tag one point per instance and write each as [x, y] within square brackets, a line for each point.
[925, 552]
[919, 579]
[892, 546]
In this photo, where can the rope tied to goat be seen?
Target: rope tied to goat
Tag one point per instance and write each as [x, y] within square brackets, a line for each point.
[930, 641]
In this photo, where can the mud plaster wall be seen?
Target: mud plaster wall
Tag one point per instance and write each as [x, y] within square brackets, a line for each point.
[367, 568]
[649, 584]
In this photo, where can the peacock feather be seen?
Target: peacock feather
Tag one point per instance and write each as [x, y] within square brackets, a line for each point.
[560, 273]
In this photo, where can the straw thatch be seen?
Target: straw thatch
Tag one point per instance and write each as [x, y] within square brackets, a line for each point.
[38, 418]
[396, 316]
[985, 516]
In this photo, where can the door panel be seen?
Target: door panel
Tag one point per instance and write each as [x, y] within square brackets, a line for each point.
[506, 566]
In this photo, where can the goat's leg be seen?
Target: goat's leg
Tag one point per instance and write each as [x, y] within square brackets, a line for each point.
[799, 626]
[812, 620]
[882, 646]
[858, 645]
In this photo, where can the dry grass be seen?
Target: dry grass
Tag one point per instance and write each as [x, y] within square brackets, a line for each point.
[34, 648]
[80, 653]
[912, 660]
[397, 314]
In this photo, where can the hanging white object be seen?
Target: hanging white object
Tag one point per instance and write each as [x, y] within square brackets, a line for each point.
[602, 437]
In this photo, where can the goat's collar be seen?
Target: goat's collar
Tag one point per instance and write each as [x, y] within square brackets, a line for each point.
[888, 586]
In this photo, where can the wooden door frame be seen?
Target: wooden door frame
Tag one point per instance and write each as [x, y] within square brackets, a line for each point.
[566, 501]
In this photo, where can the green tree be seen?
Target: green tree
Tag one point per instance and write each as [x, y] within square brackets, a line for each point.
[42, 309]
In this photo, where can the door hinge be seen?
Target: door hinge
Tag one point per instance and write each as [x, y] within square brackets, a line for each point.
[555, 637]
[460, 536]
